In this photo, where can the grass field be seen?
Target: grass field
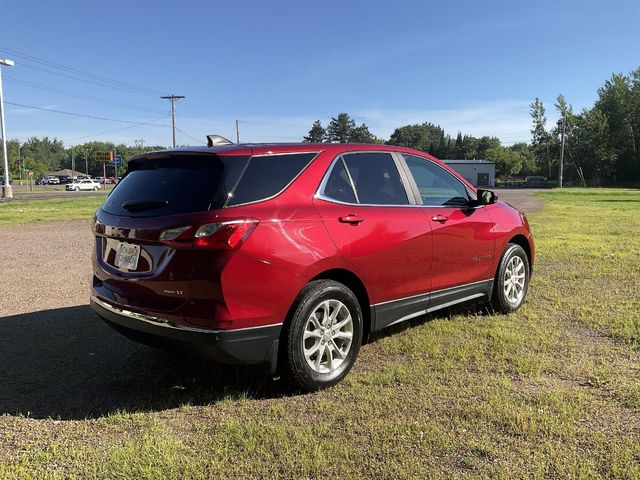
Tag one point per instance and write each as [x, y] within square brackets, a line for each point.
[552, 391]
[19, 212]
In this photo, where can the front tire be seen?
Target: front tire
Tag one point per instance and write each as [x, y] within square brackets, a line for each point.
[511, 283]
[324, 335]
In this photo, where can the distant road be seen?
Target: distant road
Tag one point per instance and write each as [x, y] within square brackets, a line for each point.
[43, 192]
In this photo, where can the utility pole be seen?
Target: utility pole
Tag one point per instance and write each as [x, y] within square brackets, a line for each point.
[20, 162]
[6, 188]
[564, 126]
[237, 131]
[173, 99]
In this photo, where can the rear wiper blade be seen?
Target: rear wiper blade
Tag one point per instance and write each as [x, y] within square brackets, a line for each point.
[141, 205]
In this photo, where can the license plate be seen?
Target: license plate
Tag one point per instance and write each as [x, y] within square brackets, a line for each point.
[127, 256]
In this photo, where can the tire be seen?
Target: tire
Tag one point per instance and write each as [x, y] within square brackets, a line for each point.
[318, 357]
[77, 189]
[95, 189]
[514, 267]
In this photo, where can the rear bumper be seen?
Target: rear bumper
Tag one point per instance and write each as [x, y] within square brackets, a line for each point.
[241, 346]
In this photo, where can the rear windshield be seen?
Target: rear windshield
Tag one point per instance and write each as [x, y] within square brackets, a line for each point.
[178, 184]
[174, 185]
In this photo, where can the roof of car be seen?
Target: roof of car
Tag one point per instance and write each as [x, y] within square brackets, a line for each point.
[268, 148]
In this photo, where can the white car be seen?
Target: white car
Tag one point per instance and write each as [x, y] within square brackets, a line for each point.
[86, 184]
[51, 180]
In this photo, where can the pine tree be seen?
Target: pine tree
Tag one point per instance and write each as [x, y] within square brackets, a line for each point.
[340, 129]
[317, 133]
[362, 134]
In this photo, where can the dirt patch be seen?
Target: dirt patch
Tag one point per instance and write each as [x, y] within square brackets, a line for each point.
[524, 199]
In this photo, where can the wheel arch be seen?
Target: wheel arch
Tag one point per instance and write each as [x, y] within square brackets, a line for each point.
[348, 279]
[357, 286]
[521, 240]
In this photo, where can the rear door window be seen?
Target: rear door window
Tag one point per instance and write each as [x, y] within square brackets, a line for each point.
[338, 186]
[376, 178]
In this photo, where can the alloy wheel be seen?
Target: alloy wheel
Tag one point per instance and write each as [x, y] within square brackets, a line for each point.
[328, 335]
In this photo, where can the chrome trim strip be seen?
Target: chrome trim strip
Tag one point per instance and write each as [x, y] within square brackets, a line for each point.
[432, 292]
[162, 322]
[270, 153]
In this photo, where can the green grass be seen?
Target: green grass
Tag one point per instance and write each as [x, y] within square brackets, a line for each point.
[552, 391]
[19, 212]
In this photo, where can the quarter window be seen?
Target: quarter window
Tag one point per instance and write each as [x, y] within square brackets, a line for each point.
[437, 187]
[267, 175]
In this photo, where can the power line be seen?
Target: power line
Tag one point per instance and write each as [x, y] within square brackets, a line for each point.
[84, 115]
[86, 80]
[109, 131]
[199, 140]
[78, 95]
[76, 71]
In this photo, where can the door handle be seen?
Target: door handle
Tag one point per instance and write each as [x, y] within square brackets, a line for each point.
[351, 219]
[440, 218]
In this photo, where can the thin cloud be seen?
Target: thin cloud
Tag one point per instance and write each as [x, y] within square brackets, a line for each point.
[508, 120]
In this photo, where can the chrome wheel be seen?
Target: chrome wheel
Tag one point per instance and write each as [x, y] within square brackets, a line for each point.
[327, 337]
[514, 280]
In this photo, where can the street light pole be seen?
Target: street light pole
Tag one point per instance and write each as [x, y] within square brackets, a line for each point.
[6, 188]
[173, 99]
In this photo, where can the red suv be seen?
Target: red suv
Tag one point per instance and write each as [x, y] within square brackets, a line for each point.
[291, 254]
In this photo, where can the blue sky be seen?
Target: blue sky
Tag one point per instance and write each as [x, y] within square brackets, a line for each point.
[277, 66]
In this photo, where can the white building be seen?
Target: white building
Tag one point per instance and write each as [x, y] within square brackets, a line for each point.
[480, 173]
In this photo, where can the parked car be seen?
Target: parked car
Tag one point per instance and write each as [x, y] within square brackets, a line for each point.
[535, 181]
[291, 254]
[86, 184]
[50, 180]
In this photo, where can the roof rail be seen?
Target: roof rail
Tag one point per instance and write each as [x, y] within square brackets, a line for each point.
[215, 140]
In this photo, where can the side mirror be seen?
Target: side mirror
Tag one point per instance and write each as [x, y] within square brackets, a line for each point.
[486, 197]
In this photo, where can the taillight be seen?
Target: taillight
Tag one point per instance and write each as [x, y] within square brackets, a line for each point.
[225, 235]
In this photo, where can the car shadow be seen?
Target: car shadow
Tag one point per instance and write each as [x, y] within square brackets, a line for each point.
[476, 308]
[66, 363]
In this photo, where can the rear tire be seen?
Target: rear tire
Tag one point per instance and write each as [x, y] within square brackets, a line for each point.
[511, 283]
[323, 336]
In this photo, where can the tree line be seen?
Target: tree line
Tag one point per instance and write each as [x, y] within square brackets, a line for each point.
[46, 155]
[601, 142]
